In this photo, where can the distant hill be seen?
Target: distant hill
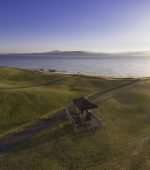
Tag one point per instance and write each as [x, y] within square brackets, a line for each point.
[75, 53]
[86, 53]
[59, 53]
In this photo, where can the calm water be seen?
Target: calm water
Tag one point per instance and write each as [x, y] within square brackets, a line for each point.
[101, 66]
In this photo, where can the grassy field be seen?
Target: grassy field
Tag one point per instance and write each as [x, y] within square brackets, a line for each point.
[123, 143]
[19, 106]
[15, 77]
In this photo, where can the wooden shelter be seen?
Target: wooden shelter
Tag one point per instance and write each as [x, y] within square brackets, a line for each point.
[80, 114]
[83, 104]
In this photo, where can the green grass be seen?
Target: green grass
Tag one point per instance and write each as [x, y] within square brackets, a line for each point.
[19, 106]
[15, 77]
[123, 143]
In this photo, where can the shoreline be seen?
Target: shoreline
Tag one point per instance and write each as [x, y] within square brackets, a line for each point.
[97, 76]
[78, 73]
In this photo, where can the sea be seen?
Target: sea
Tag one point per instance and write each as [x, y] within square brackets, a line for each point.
[109, 66]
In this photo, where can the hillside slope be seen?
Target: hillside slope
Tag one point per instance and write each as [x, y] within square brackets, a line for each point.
[123, 142]
[27, 95]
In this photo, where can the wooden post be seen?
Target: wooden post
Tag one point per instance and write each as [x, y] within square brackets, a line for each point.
[71, 120]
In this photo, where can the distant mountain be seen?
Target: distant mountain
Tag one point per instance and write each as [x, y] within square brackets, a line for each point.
[89, 53]
[75, 53]
[57, 52]
[86, 53]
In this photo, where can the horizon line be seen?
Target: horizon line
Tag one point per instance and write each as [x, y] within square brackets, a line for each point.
[83, 51]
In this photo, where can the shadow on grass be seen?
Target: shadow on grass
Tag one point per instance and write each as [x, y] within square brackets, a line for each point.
[44, 137]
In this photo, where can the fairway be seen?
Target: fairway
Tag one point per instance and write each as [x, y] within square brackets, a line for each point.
[122, 143]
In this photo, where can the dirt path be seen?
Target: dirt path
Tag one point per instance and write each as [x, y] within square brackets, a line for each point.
[101, 93]
[13, 139]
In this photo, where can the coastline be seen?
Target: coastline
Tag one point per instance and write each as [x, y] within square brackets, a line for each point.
[97, 76]
[42, 70]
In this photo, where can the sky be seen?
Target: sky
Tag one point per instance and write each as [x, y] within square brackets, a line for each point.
[88, 25]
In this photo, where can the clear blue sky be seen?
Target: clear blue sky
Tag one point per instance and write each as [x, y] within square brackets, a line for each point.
[94, 25]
